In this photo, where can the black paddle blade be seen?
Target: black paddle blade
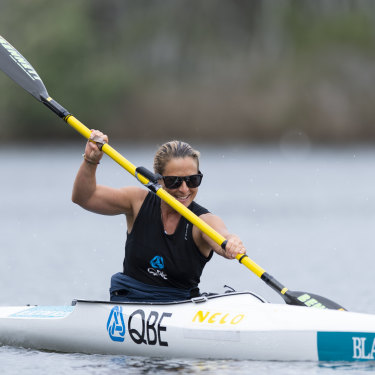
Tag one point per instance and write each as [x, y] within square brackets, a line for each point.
[310, 300]
[20, 70]
[300, 298]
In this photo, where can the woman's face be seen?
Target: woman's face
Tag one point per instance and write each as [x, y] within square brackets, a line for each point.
[182, 167]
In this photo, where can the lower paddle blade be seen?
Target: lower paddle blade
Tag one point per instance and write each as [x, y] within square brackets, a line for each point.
[310, 300]
[299, 298]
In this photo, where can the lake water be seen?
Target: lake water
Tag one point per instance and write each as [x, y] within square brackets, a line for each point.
[307, 216]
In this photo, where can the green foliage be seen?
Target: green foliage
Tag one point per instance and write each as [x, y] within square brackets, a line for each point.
[239, 69]
[312, 29]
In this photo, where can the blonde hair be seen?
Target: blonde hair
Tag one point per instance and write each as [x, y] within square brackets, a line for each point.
[171, 150]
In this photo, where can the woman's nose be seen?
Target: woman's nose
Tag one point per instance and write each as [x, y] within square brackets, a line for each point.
[183, 187]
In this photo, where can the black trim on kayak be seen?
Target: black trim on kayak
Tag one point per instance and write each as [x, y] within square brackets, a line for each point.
[201, 299]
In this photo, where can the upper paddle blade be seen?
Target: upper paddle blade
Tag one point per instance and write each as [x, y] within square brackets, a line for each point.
[20, 70]
[310, 300]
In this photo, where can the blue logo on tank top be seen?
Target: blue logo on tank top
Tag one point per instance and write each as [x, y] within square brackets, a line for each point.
[157, 262]
[157, 266]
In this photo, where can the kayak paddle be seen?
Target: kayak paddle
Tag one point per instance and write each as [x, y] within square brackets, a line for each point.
[20, 71]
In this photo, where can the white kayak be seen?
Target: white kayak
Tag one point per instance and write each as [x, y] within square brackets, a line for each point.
[231, 325]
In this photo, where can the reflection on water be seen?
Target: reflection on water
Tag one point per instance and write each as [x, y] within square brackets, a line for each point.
[355, 368]
[43, 363]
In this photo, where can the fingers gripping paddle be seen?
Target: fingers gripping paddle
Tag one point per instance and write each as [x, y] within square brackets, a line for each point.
[21, 71]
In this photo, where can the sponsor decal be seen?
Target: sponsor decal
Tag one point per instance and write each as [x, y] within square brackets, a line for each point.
[148, 329]
[19, 60]
[143, 328]
[311, 302]
[217, 317]
[116, 325]
[346, 346]
[157, 266]
[46, 312]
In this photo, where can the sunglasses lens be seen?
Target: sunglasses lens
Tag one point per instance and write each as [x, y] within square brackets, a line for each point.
[194, 180]
[172, 182]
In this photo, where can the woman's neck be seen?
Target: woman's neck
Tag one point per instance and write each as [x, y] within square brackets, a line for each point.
[169, 217]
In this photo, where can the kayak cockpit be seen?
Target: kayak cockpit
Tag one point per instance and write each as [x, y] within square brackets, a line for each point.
[250, 296]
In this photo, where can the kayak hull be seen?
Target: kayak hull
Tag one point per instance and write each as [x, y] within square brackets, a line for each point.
[228, 326]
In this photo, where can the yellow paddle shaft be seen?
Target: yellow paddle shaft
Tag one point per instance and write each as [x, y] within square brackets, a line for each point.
[164, 195]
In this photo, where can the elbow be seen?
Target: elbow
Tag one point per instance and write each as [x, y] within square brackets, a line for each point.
[77, 199]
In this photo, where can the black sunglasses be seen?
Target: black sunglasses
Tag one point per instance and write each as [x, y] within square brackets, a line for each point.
[174, 182]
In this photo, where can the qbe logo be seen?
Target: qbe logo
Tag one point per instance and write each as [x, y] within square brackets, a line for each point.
[157, 262]
[116, 324]
[157, 267]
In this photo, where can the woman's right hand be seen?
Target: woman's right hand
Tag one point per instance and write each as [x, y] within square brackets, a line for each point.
[93, 153]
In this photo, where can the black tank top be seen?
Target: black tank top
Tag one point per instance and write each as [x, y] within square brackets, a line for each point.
[156, 258]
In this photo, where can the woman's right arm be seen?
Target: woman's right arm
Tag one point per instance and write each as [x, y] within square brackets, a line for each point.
[98, 198]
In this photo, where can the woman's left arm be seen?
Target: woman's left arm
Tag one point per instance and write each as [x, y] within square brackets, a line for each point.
[234, 245]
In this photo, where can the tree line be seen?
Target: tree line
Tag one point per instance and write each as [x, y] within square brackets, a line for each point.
[213, 70]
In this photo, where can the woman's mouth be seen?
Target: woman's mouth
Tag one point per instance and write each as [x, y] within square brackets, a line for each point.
[183, 198]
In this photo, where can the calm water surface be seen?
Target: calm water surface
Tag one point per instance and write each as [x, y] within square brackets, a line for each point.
[307, 217]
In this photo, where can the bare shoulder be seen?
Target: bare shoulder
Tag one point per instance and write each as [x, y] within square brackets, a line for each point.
[134, 196]
[212, 219]
[134, 192]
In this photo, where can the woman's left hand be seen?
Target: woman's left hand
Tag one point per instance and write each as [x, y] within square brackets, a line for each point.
[233, 247]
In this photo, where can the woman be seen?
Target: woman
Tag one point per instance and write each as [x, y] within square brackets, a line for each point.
[164, 253]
